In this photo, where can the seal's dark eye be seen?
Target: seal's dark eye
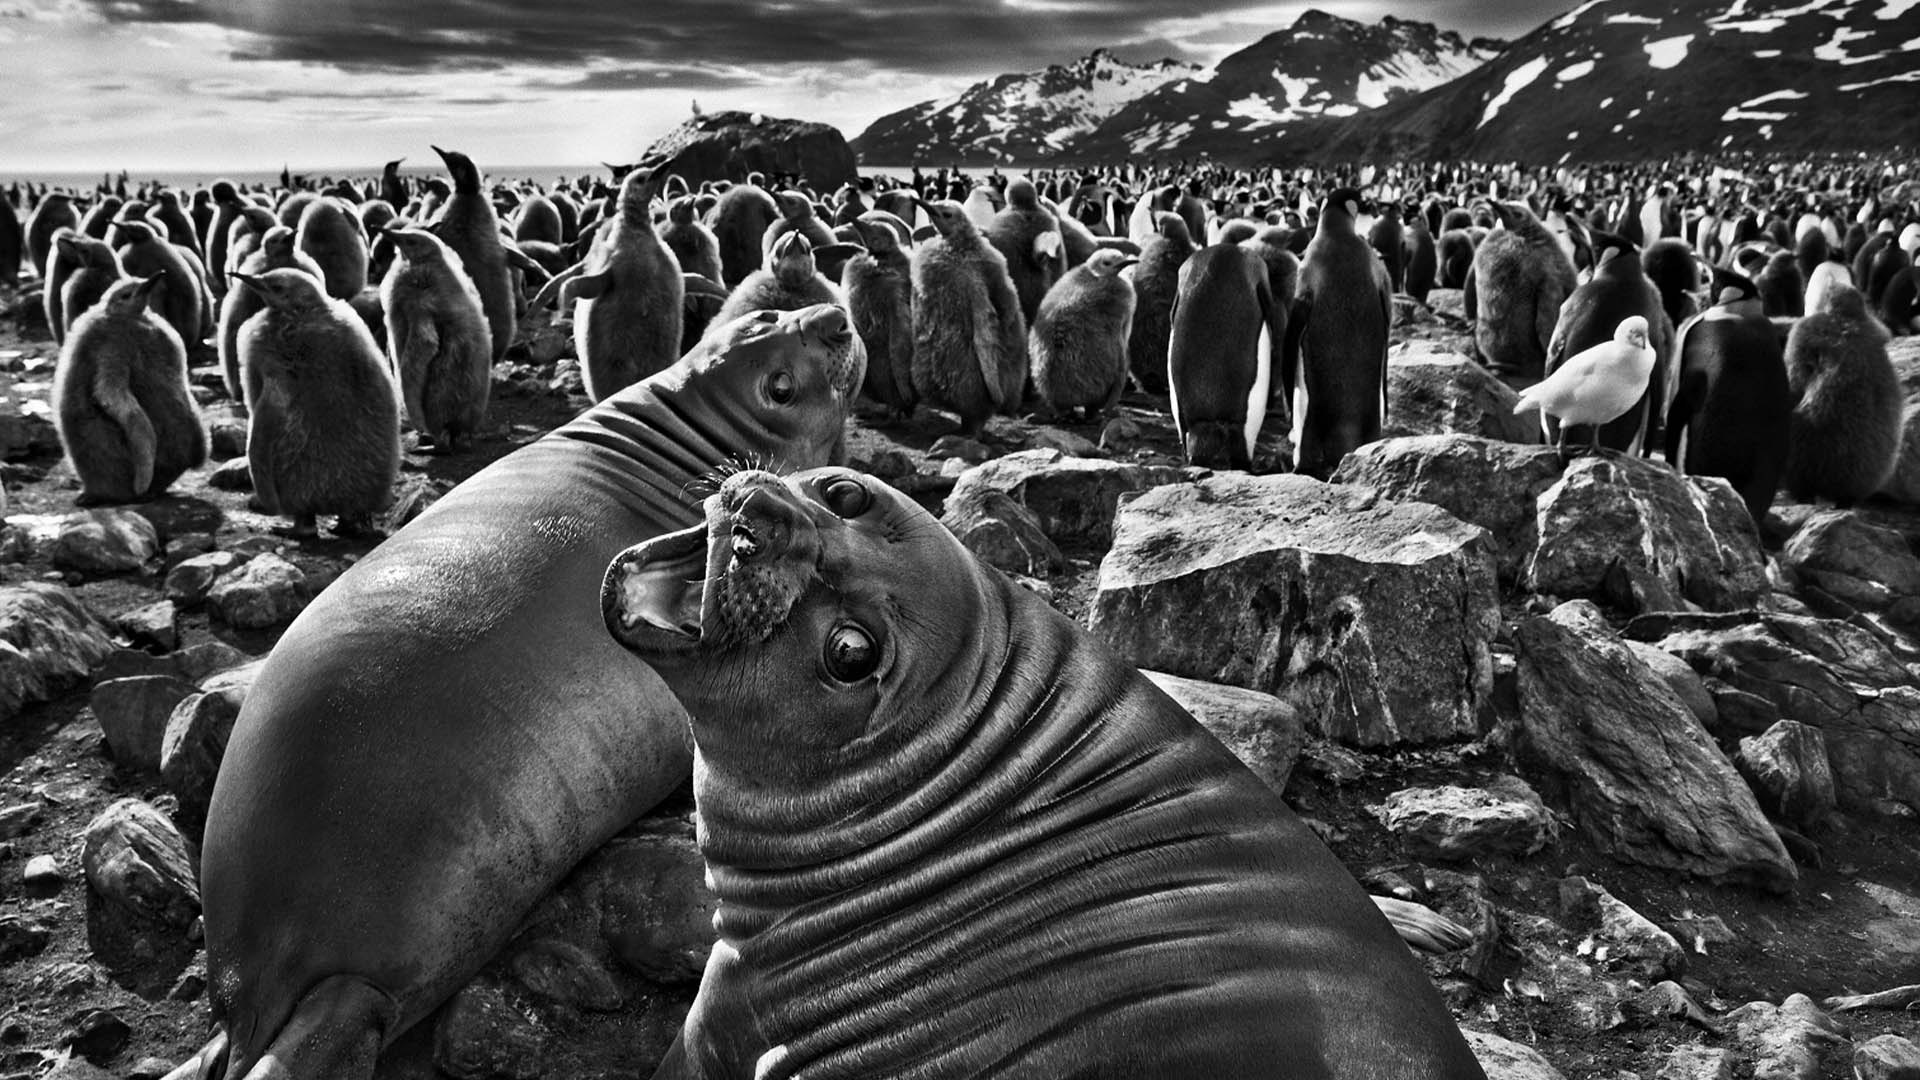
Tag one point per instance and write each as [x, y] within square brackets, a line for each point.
[852, 653]
[848, 498]
[780, 387]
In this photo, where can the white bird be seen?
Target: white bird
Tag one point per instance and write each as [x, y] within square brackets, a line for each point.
[1598, 384]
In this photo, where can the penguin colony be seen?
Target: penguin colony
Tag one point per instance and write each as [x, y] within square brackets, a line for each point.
[1745, 318]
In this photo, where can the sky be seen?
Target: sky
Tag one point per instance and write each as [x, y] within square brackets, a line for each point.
[210, 85]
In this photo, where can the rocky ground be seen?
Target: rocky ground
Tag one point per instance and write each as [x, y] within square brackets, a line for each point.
[1555, 777]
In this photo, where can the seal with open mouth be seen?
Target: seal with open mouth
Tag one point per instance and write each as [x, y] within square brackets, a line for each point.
[447, 729]
[952, 835]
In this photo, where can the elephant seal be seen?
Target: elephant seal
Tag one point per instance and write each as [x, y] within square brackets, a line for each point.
[447, 730]
[951, 834]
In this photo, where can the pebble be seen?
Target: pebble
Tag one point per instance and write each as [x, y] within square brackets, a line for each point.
[42, 876]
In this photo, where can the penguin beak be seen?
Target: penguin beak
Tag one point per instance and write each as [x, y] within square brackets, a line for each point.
[146, 287]
[248, 280]
[1126, 262]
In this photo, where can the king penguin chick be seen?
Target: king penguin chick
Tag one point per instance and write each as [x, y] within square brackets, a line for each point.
[879, 290]
[1847, 402]
[1598, 384]
[279, 250]
[471, 227]
[969, 342]
[323, 435]
[691, 241]
[1029, 239]
[93, 267]
[437, 338]
[1520, 277]
[1079, 337]
[790, 282]
[1156, 281]
[121, 403]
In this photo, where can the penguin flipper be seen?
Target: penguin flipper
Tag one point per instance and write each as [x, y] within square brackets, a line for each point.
[1277, 323]
[1470, 295]
[551, 289]
[1296, 327]
[536, 273]
[1686, 398]
[586, 287]
[115, 398]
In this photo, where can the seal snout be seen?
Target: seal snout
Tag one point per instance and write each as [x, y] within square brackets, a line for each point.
[847, 357]
[654, 592]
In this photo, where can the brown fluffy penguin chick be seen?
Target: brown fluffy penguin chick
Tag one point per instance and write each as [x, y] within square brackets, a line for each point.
[1847, 411]
[323, 436]
[1520, 277]
[631, 295]
[437, 338]
[331, 235]
[1156, 281]
[790, 282]
[93, 268]
[1029, 239]
[121, 404]
[180, 296]
[969, 341]
[796, 215]
[879, 291]
[692, 242]
[471, 227]
[1079, 338]
[278, 251]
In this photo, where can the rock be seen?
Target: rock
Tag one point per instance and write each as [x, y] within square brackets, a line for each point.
[1838, 677]
[1618, 937]
[1644, 780]
[111, 540]
[1852, 560]
[1063, 442]
[1002, 532]
[155, 625]
[22, 936]
[1691, 534]
[76, 1068]
[1463, 898]
[550, 343]
[1435, 391]
[415, 496]
[1886, 1057]
[1262, 731]
[1671, 1001]
[267, 591]
[1124, 435]
[1737, 712]
[234, 474]
[150, 1068]
[1371, 618]
[196, 741]
[1480, 481]
[18, 819]
[891, 464]
[133, 713]
[1787, 768]
[654, 907]
[1786, 1041]
[1460, 823]
[227, 438]
[1904, 484]
[41, 876]
[136, 861]
[188, 582]
[481, 1036]
[1696, 1063]
[958, 446]
[729, 145]
[1502, 1059]
[1074, 498]
[97, 1035]
[48, 642]
[563, 972]
[193, 663]
[1685, 683]
[191, 984]
[188, 545]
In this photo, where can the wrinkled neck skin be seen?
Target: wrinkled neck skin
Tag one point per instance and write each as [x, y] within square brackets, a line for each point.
[954, 752]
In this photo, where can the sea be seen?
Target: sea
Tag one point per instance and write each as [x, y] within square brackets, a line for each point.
[188, 179]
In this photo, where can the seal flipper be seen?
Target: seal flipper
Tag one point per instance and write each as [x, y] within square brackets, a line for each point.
[337, 1029]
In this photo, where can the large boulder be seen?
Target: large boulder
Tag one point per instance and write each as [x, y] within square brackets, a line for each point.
[1432, 390]
[1836, 676]
[729, 145]
[48, 641]
[1371, 618]
[1644, 779]
[1613, 516]
[1486, 482]
[1074, 498]
[1864, 565]
[1264, 732]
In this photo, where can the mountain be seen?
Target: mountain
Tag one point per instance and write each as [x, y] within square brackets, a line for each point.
[1101, 109]
[1023, 118]
[1633, 79]
[1322, 66]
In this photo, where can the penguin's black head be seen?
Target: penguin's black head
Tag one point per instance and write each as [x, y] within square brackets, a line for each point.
[466, 175]
[1344, 204]
[1609, 246]
[1730, 287]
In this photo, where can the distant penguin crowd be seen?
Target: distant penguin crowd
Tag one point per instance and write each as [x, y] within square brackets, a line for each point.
[1731, 316]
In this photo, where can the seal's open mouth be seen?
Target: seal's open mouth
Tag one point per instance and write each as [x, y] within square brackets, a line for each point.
[663, 584]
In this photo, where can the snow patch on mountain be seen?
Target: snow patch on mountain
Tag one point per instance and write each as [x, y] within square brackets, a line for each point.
[1517, 80]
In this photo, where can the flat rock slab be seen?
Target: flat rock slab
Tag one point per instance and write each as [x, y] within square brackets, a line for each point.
[1372, 618]
[1435, 391]
[1073, 497]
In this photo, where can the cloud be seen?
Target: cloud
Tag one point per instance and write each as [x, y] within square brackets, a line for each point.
[656, 77]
